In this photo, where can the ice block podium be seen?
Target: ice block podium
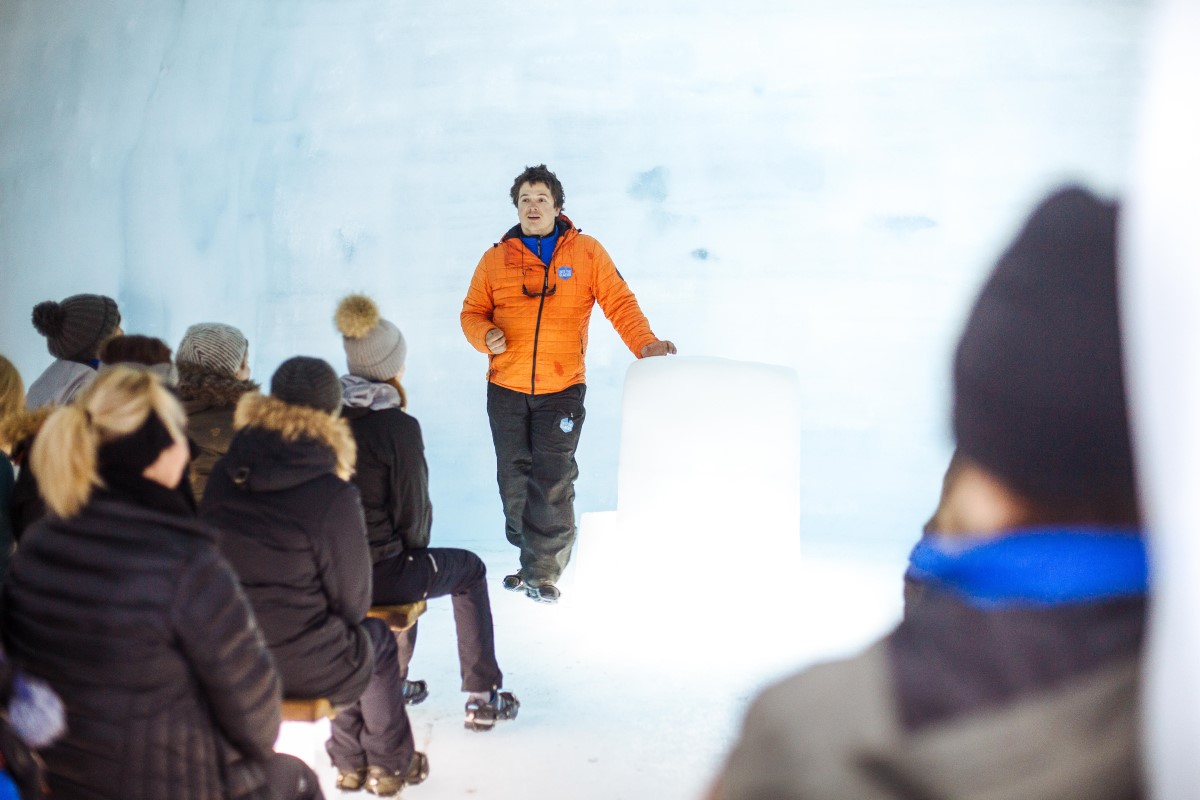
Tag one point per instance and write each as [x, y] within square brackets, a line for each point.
[708, 494]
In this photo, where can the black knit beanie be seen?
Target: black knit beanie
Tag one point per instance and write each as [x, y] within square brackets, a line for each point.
[307, 381]
[1039, 392]
[75, 327]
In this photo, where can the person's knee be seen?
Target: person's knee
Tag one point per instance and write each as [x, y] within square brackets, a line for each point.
[291, 779]
[383, 643]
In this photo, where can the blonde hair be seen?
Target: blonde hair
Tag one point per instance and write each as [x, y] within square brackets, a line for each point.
[12, 390]
[117, 403]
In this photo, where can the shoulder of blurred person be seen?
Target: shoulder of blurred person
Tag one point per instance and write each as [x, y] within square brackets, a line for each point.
[835, 731]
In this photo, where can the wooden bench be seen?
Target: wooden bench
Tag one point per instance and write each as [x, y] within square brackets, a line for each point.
[300, 710]
[398, 618]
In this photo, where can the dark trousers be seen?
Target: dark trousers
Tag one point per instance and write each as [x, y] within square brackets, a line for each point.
[536, 437]
[436, 572]
[375, 731]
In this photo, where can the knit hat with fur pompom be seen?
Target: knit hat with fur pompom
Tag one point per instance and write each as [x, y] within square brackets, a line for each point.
[75, 328]
[375, 348]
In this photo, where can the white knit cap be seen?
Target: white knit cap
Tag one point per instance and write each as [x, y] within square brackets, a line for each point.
[214, 347]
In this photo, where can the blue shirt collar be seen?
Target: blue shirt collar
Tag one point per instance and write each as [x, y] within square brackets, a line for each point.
[543, 246]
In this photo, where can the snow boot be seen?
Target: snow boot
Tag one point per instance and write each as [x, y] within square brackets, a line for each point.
[484, 716]
[351, 780]
[415, 692]
[543, 593]
[385, 783]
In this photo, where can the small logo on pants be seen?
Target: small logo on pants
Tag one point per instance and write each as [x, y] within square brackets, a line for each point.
[567, 424]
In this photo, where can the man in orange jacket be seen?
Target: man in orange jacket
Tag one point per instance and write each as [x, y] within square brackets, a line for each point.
[528, 309]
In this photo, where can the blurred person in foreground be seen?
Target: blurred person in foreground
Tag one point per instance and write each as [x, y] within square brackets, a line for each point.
[292, 526]
[1016, 673]
[528, 308]
[121, 602]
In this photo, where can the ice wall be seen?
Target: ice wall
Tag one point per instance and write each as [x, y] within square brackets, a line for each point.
[808, 184]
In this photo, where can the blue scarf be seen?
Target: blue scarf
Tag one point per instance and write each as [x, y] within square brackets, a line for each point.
[543, 246]
[1035, 567]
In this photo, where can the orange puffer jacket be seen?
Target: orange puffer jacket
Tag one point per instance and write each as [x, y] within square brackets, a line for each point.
[547, 336]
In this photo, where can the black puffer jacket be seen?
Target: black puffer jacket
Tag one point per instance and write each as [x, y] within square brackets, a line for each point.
[393, 477]
[133, 617]
[292, 526]
[209, 400]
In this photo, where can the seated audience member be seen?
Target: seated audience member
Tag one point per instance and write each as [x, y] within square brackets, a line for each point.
[292, 526]
[145, 350]
[12, 403]
[214, 372]
[17, 431]
[1016, 674]
[121, 601]
[74, 330]
[393, 478]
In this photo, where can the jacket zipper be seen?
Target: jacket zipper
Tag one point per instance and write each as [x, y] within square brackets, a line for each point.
[537, 328]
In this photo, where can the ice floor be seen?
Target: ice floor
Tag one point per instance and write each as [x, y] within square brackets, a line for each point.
[602, 719]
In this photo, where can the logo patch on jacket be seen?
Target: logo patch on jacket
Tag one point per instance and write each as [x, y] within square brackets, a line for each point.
[567, 424]
[565, 272]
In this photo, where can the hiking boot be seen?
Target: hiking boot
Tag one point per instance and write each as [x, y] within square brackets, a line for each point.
[544, 593]
[513, 583]
[415, 692]
[385, 783]
[351, 781]
[484, 716]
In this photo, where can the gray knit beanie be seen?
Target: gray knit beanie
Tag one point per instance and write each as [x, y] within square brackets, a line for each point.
[213, 347]
[307, 381]
[75, 327]
[375, 348]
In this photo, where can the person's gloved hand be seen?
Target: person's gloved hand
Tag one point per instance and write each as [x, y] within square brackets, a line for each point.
[659, 348]
[495, 341]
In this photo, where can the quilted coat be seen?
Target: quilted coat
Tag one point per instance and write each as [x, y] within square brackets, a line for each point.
[131, 614]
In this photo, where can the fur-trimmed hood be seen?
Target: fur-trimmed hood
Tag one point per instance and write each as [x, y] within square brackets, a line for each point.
[279, 445]
[200, 389]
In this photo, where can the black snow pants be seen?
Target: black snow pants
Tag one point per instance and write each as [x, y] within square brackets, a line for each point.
[536, 437]
[436, 572]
